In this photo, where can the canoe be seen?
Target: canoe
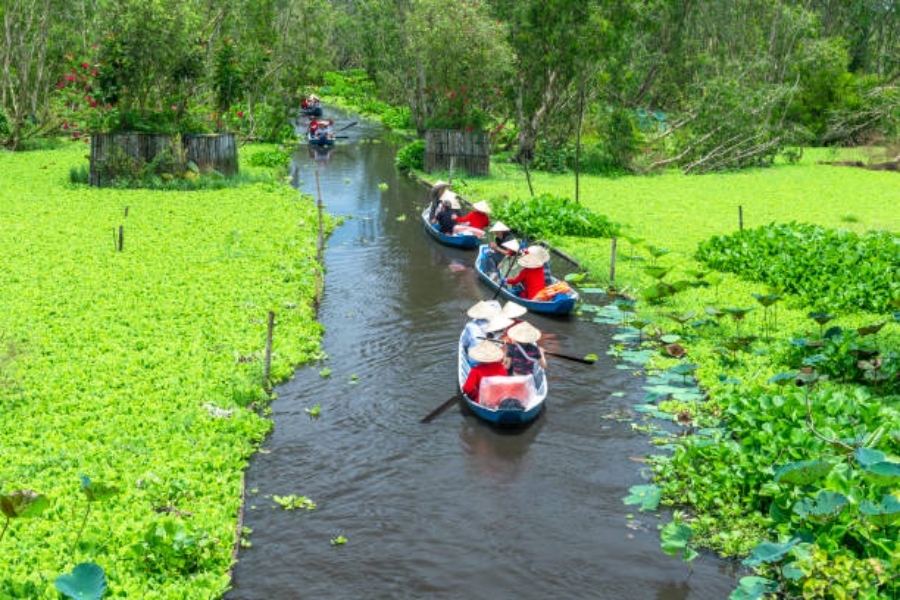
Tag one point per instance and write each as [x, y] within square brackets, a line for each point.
[319, 141]
[561, 304]
[311, 111]
[456, 240]
[494, 390]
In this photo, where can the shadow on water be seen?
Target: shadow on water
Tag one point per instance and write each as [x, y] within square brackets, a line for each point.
[453, 508]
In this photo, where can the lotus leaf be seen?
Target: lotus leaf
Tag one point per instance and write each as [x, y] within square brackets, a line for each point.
[676, 537]
[23, 503]
[648, 496]
[804, 472]
[823, 506]
[769, 552]
[754, 588]
[884, 512]
[885, 471]
[87, 581]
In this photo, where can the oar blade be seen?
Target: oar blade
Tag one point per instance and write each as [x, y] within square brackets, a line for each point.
[436, 412]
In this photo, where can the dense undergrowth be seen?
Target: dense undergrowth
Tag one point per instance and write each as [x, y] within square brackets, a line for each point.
[132, 382]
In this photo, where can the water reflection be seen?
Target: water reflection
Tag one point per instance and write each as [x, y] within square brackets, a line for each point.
[496, 454]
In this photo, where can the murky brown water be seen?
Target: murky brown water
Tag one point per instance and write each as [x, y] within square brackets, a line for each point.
[451, 509]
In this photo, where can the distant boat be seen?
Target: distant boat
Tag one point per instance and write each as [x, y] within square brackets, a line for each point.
[561, 304]
[457, 240]
[322, 140]
[312, 111]
[497, 394]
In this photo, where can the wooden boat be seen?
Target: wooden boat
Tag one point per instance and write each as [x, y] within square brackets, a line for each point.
[456, 240]
[561, 304]
[319, 141]
[529, 390]
[312, 111]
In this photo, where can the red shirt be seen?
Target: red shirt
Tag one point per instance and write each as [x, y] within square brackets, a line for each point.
[478, 220]
[533, 279]
[479, 371]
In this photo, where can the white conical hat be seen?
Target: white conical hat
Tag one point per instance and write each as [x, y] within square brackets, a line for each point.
[482, 206]
[524, 333]
[513, 310]
[485, 309]
[486, 352]
[498, 226]
[498, 322]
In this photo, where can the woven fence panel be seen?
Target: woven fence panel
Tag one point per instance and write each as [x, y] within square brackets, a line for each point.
[212, 152]
[467, 151]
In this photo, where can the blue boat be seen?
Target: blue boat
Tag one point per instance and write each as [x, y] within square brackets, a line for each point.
[561, 304]
[529, 390]
[469, 242]
[319, 140]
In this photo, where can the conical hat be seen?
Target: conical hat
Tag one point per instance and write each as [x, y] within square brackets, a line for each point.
[524, 333]
[511, 245]
[531, 261]
[440, 184]
[482, 206]
[498, 322]
[486, 352]
[513, 310]
[498, 226]
[485, 309]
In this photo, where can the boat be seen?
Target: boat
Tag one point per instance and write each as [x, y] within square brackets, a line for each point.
[457, 240]
[529, 390]
[312, 111]
[560, 304]
[315, 140]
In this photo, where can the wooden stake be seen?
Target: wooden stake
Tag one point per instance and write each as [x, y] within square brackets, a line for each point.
[612, 262]
[121, 237]
[740, 218]
[268, 367]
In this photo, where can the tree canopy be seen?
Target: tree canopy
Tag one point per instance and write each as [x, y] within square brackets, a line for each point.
[702, 85]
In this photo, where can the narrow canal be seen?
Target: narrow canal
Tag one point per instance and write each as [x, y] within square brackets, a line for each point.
[450, 509]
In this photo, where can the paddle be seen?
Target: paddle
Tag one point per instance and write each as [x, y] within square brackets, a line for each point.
[348, 126]
[586, 361]
[501, 283]
[433, 414]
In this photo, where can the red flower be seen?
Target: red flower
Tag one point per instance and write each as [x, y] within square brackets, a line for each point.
[94, 104]
[468, 128]
[65, 125]
[453, 95]
[94, 72]
[85, 65]
[61, 84]
[240, 114]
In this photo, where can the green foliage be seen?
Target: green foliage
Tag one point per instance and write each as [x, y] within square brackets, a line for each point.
[411, 156]
[271, 158]
[117, 388]
[828, 268]
[547, 215]
[397, 118]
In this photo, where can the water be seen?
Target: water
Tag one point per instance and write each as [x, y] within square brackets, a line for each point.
[453, 508]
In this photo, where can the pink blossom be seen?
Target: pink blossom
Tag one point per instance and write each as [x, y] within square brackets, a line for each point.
[468, 128]
[94, 72]
[94, 104]
[61, 84]
[69, 78]
[85, 65]
[453, 95]
[174, 107]
[240, 114]
[65, 125]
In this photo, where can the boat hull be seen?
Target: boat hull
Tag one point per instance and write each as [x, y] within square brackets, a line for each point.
[562, 304]
[467, 242]
[504, 417]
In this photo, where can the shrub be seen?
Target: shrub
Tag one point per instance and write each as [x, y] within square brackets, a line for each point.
[547, 215]
[411, 156]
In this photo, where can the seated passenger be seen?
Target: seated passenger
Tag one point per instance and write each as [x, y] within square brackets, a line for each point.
[488, 357]
[522, 351]
[532, 274]
[478, 217]
[480, 315]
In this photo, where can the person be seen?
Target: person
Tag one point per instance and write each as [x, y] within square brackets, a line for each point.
[437, 189]
[522, 351]
[445, 220]
[479, 315]
[488, 359]
[495, 329]
[513, 311]
[532, 273]
[478, 217]
[313, 128]
[503, 245]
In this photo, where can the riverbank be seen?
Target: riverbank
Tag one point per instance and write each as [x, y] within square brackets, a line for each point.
[727, 440]
[141, 369]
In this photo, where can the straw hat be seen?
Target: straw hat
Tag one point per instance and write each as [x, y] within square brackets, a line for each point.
[485, 309]
[531, 261]
[486, 352]
[498, 226]
[513, 310]
[482, 206]
[448, 195]
[313, 97]
[524, 333]
[498, 322]
[539, 251]
[511, 245]
[440, 184]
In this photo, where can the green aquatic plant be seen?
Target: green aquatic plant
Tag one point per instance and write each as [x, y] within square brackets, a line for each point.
[87, 581]
[21, 504]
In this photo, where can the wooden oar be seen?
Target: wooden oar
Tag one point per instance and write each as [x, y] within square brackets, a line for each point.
[501, 283]
[433, 414]
[348, 126]
[586, 361]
